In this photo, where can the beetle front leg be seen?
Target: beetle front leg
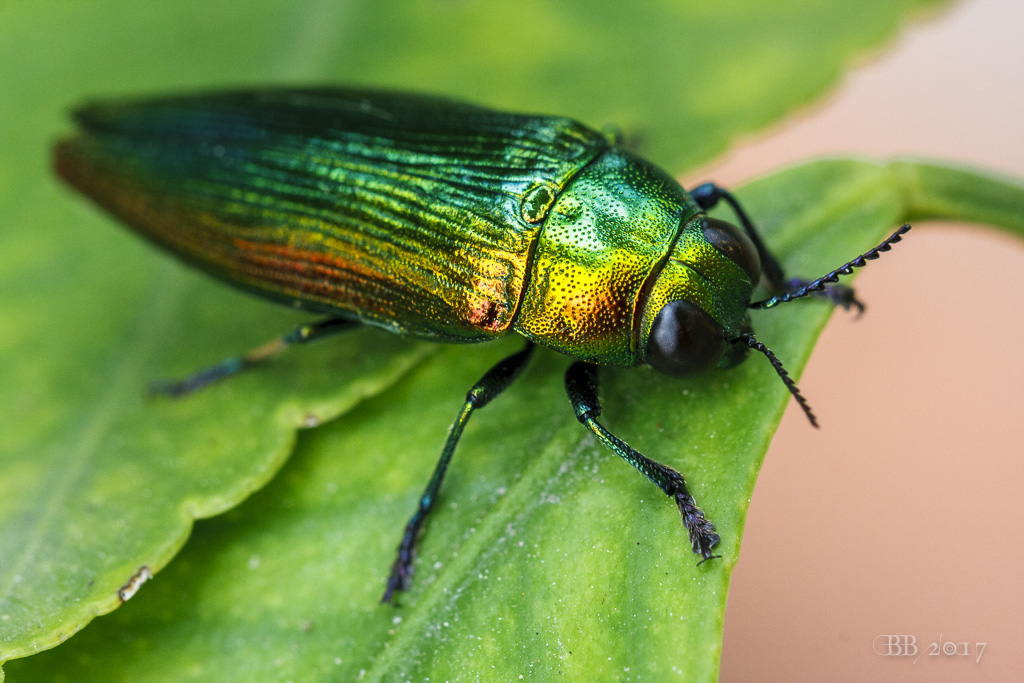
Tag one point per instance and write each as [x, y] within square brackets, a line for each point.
[258, 356]
[581, 385]
[495, 381]
[709, 194]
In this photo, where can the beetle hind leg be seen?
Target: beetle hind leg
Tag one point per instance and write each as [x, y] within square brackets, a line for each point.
[494, 381]
[258, 356]
[581, 385]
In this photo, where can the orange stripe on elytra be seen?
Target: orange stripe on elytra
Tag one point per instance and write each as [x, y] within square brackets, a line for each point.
[315, 273]
[299, 260]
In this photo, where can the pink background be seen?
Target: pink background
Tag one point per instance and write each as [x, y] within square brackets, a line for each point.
[907, 501]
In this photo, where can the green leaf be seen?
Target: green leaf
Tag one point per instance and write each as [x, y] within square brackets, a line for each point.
[549, 557]
[96, 480]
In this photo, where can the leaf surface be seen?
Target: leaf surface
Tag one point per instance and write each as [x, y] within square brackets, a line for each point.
[548, 556]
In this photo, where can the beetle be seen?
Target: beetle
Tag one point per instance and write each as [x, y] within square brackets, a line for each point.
[445, 221]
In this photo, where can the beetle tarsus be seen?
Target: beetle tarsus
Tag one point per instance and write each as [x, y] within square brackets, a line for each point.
[197, 380]
[400, 578]
[840, 295]
[700, 529]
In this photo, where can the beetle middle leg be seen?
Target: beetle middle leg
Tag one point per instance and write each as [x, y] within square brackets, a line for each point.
[709, 194]
[494, 381]
[258, 356]
[581, 385]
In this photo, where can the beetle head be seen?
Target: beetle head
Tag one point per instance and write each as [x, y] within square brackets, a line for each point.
[701, 296]
[697, 304]
[700, 323]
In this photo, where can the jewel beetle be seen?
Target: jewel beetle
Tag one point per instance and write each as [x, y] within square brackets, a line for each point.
[444, 221]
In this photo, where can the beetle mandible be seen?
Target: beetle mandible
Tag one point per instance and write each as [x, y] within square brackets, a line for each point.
[450, 222]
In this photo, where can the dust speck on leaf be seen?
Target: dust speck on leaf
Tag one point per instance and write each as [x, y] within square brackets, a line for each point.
[131, 587]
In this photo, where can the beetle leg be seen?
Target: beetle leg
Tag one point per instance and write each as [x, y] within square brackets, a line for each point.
[258, 356]
[581, 385]
[708, 195]
[494, 381]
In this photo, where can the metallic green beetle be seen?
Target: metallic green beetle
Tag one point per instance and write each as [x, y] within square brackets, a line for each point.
[443, 221]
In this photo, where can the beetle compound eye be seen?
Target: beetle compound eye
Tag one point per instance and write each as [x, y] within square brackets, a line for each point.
[684, 340]
[734, 243]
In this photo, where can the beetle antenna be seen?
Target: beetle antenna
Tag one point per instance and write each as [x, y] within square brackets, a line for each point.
[753, 343]
[847, 268]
